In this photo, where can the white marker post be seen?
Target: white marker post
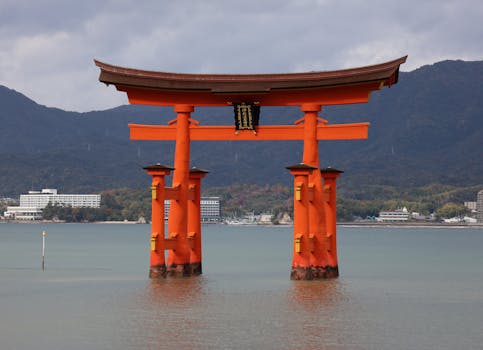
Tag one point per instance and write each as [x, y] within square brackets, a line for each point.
[43, 250]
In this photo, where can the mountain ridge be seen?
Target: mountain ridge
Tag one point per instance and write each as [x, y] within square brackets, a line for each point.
[426, 129]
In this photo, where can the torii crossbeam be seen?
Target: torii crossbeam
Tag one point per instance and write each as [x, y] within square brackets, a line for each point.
[314, 247]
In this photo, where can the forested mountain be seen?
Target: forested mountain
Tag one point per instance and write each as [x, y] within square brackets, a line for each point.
[426, 129]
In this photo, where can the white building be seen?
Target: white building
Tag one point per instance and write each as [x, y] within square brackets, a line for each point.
[31, 204]
[398, 215]
[23, 213]
[470, 205]
[40, 199]
[265, 219]
[418, 216]
[453, 220]
[469, 220]
[210, 209]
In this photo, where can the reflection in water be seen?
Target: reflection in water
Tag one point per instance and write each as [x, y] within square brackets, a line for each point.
[165, 314]
[194, 313]
[312, 295]
[320, 315]
[178, 292]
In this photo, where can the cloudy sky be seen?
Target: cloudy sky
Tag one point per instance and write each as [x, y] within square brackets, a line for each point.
[47, 47]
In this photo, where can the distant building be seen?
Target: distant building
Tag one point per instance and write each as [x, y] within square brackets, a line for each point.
[23, 213]
[40, 199]
[418, 216]
[398, 215]
[31, 204]
[470, 205]
[210, 209]
[479, 207]
[453, 220]
[265, 219]
[469, 220]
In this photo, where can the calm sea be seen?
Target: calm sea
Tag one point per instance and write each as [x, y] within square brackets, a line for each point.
[399, 289]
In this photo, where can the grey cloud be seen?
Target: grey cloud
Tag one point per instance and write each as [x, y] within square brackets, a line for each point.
[47, 47]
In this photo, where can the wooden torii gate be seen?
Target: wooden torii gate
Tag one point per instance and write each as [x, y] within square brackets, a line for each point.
[314, 244]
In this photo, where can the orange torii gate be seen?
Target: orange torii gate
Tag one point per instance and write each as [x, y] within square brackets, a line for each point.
[314, 247]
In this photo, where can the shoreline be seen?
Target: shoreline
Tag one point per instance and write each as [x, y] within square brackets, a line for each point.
[339, 224]
[408, 225]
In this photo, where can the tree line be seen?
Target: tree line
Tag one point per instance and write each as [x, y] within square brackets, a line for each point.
[116, 205]
[239, 199]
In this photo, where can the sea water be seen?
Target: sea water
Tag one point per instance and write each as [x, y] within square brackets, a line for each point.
[399, 288]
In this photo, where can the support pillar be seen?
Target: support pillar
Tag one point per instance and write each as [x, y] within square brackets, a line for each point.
[157, 265]
[194, 218]
[179, 256]
[330, 176]
[301, 267]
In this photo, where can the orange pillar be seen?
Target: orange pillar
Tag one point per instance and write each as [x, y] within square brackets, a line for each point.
[179, 257]
[194, 218]
[301, 269]
[330, 176]
[157, 262]
[317, 228]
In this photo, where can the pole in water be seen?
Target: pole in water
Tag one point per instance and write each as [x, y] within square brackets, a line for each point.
[43, 249]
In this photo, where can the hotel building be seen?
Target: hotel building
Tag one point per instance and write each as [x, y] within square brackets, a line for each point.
[31, 204]
[210, 209]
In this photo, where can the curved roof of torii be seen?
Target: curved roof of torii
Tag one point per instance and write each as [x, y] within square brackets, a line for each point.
[330, 87]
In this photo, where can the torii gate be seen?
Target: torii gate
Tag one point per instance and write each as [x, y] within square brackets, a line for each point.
[314, 244]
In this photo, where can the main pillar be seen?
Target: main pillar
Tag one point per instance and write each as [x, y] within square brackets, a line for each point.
[157, 261]
[330, 176]
[302, 245]
[194, 219]
[179, 257]
[317, 225]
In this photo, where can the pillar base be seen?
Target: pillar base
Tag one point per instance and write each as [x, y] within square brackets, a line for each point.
[314, 272]
[325, 272]
[196, 268]
[301, 273]
[184, 270]
[157, 271]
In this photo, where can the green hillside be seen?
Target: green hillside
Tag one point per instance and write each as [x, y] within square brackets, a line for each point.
[426, 129]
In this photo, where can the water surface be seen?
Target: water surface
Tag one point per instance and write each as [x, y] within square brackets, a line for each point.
[403, 288]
